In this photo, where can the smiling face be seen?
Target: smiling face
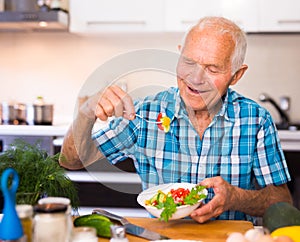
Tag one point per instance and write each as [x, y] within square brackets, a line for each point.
[204, 70]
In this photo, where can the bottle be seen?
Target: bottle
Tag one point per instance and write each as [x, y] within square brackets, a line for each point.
[10, 226]
[25, 213]
[118, 234]
[51, 223]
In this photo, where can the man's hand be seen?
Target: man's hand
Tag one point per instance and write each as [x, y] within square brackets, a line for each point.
[228, 197]
[114, 102]
[224, 195]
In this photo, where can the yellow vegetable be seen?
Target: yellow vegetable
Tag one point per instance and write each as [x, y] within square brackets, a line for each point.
[291, 231]
[166, 121]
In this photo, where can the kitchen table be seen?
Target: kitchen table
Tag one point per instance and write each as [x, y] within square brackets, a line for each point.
[212, 231]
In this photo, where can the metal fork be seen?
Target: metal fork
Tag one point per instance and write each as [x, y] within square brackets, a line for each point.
[147, 120]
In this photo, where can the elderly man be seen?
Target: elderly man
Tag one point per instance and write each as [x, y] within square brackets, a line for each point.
[216, 137]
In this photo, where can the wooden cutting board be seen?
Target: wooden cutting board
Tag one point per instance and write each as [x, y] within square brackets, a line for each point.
[212, 231]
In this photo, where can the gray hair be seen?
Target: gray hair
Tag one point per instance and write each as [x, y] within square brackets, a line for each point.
[222, 26]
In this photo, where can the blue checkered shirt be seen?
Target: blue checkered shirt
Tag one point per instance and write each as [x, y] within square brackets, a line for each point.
[241, 144]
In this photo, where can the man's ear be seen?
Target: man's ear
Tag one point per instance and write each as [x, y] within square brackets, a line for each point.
[238, 75]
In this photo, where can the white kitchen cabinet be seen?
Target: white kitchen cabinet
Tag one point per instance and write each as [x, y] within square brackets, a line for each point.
[243, 12]
[92, 16]
[251, 15]
[180, 15]
[279, 15]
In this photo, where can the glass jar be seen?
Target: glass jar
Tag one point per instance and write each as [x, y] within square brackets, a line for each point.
[51, 223]
[25, 213]
[84, 234]
[62, 200]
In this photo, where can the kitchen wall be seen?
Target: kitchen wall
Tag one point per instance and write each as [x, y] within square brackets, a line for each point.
[57, 65]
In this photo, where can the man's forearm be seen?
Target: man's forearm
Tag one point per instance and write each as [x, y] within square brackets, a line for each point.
[78, 149]
[69, 157]
[255, 202]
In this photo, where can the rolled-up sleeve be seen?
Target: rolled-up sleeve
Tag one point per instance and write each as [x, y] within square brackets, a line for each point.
[269, 164]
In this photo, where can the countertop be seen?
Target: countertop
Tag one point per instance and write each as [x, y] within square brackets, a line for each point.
[290, 140]
[61, 129]
[34, 130]
[185, 229]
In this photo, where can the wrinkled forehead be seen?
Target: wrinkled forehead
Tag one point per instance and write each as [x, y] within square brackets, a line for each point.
[210, 34]
[209, 43]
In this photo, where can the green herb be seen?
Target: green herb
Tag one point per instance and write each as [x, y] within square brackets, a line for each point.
[169, 208]
[195, 195]
[40, 174]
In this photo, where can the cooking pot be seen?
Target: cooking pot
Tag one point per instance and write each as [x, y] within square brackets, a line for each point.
[21, 6]
[17, 113]
[42, 114]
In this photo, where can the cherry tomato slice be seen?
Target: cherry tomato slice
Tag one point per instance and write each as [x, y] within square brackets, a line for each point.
[179, 194]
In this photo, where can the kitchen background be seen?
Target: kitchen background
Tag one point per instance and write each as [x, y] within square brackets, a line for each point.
[56, 65]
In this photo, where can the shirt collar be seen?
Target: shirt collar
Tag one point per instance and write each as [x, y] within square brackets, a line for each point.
[227, 109]
[177, 108]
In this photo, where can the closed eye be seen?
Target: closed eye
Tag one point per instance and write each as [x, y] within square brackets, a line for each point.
[187, 61]
[214, 69]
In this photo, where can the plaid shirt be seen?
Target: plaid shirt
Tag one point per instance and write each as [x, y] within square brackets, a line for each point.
[241, 144]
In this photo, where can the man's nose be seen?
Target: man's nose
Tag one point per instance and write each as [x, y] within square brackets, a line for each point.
[198, 75]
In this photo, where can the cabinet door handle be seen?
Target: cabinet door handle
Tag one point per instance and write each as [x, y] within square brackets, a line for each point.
[188, 21]
[288, 21]
[104, 22]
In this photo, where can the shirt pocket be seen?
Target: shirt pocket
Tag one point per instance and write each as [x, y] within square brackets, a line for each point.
[235, 169]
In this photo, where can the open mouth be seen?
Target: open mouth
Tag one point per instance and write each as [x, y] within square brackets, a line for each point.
[193, 90]
[198, 90]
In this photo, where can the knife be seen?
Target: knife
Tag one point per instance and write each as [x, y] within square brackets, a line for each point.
[131, 228]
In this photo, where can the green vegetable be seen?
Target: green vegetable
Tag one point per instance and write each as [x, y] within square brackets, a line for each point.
[280, 215]
[195, 195]
[100, 223]
[158, 197]
[170, 207]
[40, 174]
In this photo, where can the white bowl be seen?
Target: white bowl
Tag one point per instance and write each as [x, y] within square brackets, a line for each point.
[181, 212]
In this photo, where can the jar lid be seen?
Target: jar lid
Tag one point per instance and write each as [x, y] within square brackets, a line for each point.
[50, 208]
[83, 233]
[24, 210]
[62, 200]
[117, 231]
